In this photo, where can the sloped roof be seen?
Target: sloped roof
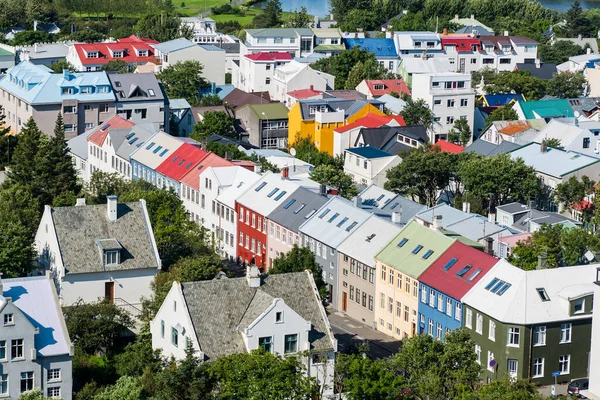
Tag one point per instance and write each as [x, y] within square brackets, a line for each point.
[498, 100]
[99, 134]
[136, 87]
[546, 108]
[128, 45]
[299, 206]
[448, 147]
[553, 162]
[192, 177]
[181, 161]
[243, 179]
[271, 111]
[304, 93]
[78, 145]
[263, 199]
[543, 71]
[489, 149]
[369, 152]
[381, 47]
[371, 120]
[174, 45]
[389, 86]
[238, 98]
[270, 56]
[129, 139]
[217, 309]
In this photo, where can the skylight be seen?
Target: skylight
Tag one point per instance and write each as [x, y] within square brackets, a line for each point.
[324, 213]
[181, 162]
[394, 205]
[417, 249]
[497, 286]
[492, 283]
[543, 294]
[427, 254]
[162, 153]
[402, 242]
[370, 237]
[189, 165]
[474, 275]
[157, 149]
[105, 127]
[449, 264]
[352, 225]
[310, 214]
[380, 197]
[463, 271]
[503, 289]
[129, 136]
[342, 222]
[289, 204]
[174, 158]
[262, 185]
[149, 146]
[132, 140]
[387, 201]
[300, 208]
[333, 217]
[272, 192]
[280, 195]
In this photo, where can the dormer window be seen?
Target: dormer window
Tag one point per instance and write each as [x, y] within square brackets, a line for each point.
[142, 53]
[68, 90]
[578, 306]
[92, 54]
[117, 54]
[111, 257]
[110, 250]
[379, 86]
[86, 90]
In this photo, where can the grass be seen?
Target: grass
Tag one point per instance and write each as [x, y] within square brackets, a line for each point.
[194, 7]
[244, 19]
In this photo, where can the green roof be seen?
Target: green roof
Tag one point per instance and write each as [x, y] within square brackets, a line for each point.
[404, 259]
[271, 110]
[547, 108]
[327, 32]
[330, 47]
[5, 53]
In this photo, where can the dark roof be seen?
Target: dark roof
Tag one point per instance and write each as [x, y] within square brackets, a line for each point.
[385, 138]
[304, 203]
[230, 47]
[224, 140]
[489, 149]
[350, 107]
[344, 94]
[481, 31]
[221, 309]
[136, 87]
[238, 98]
[544, 71]
[80, 228]
[513, 208]
[369, 152]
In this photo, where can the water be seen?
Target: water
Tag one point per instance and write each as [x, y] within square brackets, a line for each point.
[321, 7]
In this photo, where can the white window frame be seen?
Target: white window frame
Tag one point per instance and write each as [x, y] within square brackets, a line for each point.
[514, 337]
[565, 358]
[539, 335]
[566, 332]
[469, 318]
[479, 324]
[538, 363]
[492, 331]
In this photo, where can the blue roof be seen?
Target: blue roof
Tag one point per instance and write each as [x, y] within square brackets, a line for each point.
[494, 100]
[381, 47]
[369, 152]
[174, 45]
[36, 84]
[553, 162]
[178, 104]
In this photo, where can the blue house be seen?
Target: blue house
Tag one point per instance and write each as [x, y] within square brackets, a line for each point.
[146, 159]
[443, 285]
[384, 50]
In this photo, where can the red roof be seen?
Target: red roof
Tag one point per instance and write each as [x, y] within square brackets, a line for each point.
[583, 205]
[448, 147]
[305, 93]
[99, 136]
[192, 178]
[249, 165]
[389, 86]
[372, 121]
[462, 43]
[130, 46]
[183, 160]
[270, 56]
[449, 282]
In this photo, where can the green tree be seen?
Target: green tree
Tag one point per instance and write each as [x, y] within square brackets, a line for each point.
[504, 113]
[96, 327]
[299, 259]
[332, 176]
[222, 149]
[576, 22]
[162, 26]
[214, 123]
[35, 394]
[87, 35]
[573, 191]
[25, 158]
[341, 64]
[567, 85]
[119, 66]
[210, 100]
[416, 112]
[8, 142]
[460, 133]
[263, 164]
[360, 19]
[409, 22]
[61, 65]
[270, 17]
[298, 19]
[519, 81]
[183, 80]
[126, 388]
[554, 143]
[307, 151]
[36, 10]
[370, 69]
[558, 52]
[138, 356]
[507, 390]
[27, 38]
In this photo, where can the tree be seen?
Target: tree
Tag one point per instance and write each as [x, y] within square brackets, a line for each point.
[87, 35]
[460, 133]
[214, 123]
[369, 69]
[211, 100]
[559, 51]
[35, 394]
[126, 388]
[576, 22]
[119, 66]
[61, 65]
[298, 19]
[7, 142]
[504, 113]
[263, 164]
[270, 17]
[507, 390]
[409, 22]
[519, 81]
[360, 19]
[183, 80]
[334, 177]
[25, 159]
[300, 259]
[27, 38]
[567, 85]
[553, 143]
[341, 64]
[96, 327]
[307, 151]
[162, 26]
[416, 112]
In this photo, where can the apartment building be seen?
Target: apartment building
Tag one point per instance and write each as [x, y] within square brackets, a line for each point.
[299, 42]
[294, 78]
[170, 172]
[266, 124]
[256, 70]
[158, 148]
[415, 44]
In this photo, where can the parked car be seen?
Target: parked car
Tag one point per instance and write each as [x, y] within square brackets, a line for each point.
[577, 385]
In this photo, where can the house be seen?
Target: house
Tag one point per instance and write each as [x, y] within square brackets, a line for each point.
[78, 150]
[368, 165]
[529, 324]
[303, 94]
[104, 251]
[266, 124]
[296, 76]
[285, 220]
[546, 109]
[503, 53]
[297, 41]
[392, 105]
[346, 136]
[522, 218]
[568, 131]
[281, 159]
[414, 44]
[34, 91]
[141, 98]
[37, 350]
[237, 98]
[51, 28]
[445, 283]
[410, 66]
[509, 242]
[182, 117]
[449, 96]
[152, 153]
[184, 159]
[356, 267]
[256, 70]
[328, 41]
[579, 63]
[470, 23]
[475, 31]
[463, 51]
[205, 30]
[317, 119]
[325, 230]
[374, 89]
[488, 149]
[394, 139]
[381, 202]
[282, 314]
[211, 57]
[554, 166]
[540, 70]
[383, 48]
[44, 53]
[500, 100]
[7, 60]
[511, 131]
[92, 56]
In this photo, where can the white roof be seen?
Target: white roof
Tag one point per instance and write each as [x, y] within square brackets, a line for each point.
[269, 196]
[152, 158]
[521, 303]
[291, 69]
[361, 248]
[555, 129]
[242, 180]
[327, 229]
[431, 65]
[376, 196]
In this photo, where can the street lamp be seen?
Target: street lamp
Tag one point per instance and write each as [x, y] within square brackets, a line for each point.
[267, 118]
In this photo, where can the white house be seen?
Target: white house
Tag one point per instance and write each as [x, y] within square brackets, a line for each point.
[297, 76]
[256, 70]
[281, 314]
[104, 251]
[297, 41]
[368, 165]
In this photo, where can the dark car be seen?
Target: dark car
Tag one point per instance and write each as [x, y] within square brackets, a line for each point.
[577, 385]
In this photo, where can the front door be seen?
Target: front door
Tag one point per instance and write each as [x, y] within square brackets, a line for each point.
[414, 329]
[344, 301]
[109, 291]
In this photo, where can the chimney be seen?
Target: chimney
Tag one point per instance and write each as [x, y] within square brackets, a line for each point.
[285, 172]
[203, 147]
[312, 87]
[466, 207]
[357, 202]
[445, 32]
[589, 51]
[543, 147]
[580, 36]
[437, 222]
[80, 201]
[490, 246]
[505, 33]
[253, 276]
[66, 75]
[35, 48]
[228, 156]
[456, 16]
[323, 190]
[542, 261]
[397, 217]
[111, 205]
[491, 218]
[531, 204]
[35, 25]
[538, 63]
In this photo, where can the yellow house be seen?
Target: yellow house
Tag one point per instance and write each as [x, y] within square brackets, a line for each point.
[316, 119]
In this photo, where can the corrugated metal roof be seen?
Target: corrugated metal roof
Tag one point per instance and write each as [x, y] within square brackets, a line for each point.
[293, 212]
[180, 162]
[553, 162]
[145, 153]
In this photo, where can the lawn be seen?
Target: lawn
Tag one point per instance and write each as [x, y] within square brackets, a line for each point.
[244, 19]
[194, 7]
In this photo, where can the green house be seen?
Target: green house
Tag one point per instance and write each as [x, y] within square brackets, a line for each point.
[529, 324]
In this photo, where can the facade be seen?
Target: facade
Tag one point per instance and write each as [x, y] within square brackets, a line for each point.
[511, 131]
[414, 44]
[328, 41]
[266, 124]
[297, 41]
[78, 150]
[92, 56]
[346, 136]
[44, 53]
[324, 231]
[182, 118]
[282, 314]
[374, 89]
[410, 66]
[356, 267]
[40, 352]
[529, 324]
[152, 153]
[7, 60]
[179, 163]
[205, 30]
[28, 90]
[104, 251]
[449, 96]
[383, 48]
[256, 70]
[299, 79]
[368, 165]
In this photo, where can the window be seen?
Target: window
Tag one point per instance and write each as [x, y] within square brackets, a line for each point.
[104, 107]
[417, 249]
[291, 343]
[457, 312]
[415, 289]
[4, 384]
[382, 302]
[464, 102]
[16, 349]
[479, 324]
[478, 353]
[391, 276]
[406, 312]
[9, 319]
[398, 309]
[357, 291]
[492, 330]
[383, 272]
[538, 368]
[437, 102]
[266, 343]
[449, 306]
[514, 336]
[505, 61]
[69, 110]
[543, 295]
[512, 367]
[423, 295]
[565, 333]
[174, 337]
[564, 364]
[450, 103]
[449, 120]
[430, 328]
[69, 128]
[407, 285]
[112, 257]
[371, 303]
[440, 302]
[490, 358]
[26, 381]
[579, 306]
[352, 292]
[390, 305]
[54, 392]
[431, 298]
[54, 374]
[539, 336]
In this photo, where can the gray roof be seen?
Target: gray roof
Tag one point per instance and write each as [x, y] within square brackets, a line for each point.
[231, 48]
[306, 203]
[78, 145]
[174, 45]
[350, 107]
[385, 138]
[481, 31]
[490, 149]
[126, 85]
[221, 309]
[383, 203]
[123, 147]
[79, 229]
[523, 222]
[543, 71]
[48, 50]
[513, 208]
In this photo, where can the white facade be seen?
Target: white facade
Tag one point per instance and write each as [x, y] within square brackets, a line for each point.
[211, 57]
[297, 76]
[256, 75]
[449, 96]
[298, 42]
[205, 30]
[369, 171]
